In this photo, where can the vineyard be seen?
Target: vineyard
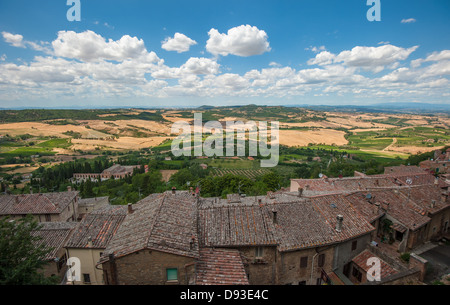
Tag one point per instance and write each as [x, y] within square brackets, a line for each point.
[249, 173]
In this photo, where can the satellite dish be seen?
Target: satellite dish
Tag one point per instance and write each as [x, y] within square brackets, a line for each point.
[320, 175]
[409, 181]
[369, 196]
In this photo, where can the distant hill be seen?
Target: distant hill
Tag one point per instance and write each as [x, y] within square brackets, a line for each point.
[422, 108]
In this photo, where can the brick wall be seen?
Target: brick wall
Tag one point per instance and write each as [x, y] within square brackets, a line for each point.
[290, 272]
[148, 267]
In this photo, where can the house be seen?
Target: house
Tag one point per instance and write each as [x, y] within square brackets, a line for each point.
[439, 164]
[50, 207]
[359, 268]
[88, 205]
[116, 171]
[157, 243]
[90, 239]
[285, 239]
[54, 235]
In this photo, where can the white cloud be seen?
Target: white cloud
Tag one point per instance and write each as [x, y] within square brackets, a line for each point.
[410, 20]
[14, 40]
[243, 40]
[323, 58]
[179, 43]
[316, 49]
[89, 46]
[368, 58]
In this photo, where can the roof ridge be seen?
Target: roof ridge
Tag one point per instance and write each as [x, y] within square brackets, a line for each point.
[155, 218]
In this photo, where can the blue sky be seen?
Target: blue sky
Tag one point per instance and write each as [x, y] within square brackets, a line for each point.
[191, 53]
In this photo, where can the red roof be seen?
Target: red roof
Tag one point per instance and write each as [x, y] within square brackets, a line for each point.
[35, 204]
[362, 259]
[220, 267]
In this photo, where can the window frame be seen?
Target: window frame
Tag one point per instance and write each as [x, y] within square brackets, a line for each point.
[167, 275]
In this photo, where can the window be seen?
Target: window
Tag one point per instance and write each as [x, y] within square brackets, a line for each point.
[357, 274]
[61, 262]
[48, 218]
[259, 252]
[86, 278]
[321, 260]
[304, 262]
[354, 245]
[172, 274]
[302, 283]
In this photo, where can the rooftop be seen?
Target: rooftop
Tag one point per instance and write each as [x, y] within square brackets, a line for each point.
[35, 204]
[97, 227]
[220, 267]
[161, 222]
[53, 235]
[362, 259]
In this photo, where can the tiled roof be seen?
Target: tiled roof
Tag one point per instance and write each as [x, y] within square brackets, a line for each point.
[397, 205]
[220, 267]
[299, 222]
[53, 235]
[404, 170]
[300, 225]
[369, 211]
[161, 222]
[36, 204]
[425, 198]
[236, 226]
[339, 185]
[353, 225]
[99, 226]
[414, 179]
[362, 259]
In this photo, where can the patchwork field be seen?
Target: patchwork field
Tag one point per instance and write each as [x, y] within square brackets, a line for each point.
[70, 133]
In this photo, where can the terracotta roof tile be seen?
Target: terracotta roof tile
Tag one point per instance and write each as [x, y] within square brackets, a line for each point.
[363, 257]
[36, 204]
[100, 226]
[162, 222]
[220, 267]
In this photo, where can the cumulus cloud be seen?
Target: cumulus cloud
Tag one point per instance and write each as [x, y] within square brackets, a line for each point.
[410, 20]
[15, 40]
[179, 43]
[369, 58]
[89, 46]
[88, 66]
[244, 40]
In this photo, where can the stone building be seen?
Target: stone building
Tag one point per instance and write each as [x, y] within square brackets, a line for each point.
[54, 235]
[157, 243]
[90, 239]
[50, 207]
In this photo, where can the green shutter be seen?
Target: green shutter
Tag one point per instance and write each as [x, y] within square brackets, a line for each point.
[172, 274]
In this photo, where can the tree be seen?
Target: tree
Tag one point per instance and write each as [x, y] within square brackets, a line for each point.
[22, 253]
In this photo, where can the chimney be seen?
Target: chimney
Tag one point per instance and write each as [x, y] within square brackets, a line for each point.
[275, 214]
[174, 190]
[300, 192]
[31, 190]
[340, 220]
[433, 203]
[69, 188]
[378, 205]
[130, 208]
[90, 242]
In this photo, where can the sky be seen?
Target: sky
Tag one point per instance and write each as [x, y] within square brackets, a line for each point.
[173, 53]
